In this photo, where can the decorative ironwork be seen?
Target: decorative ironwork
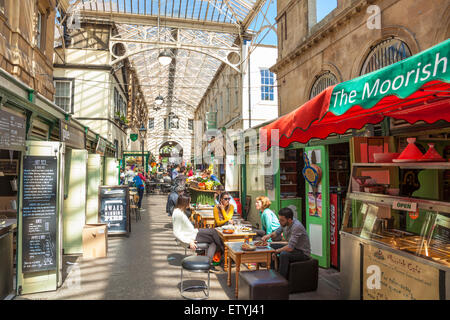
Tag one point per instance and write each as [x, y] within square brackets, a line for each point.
[322, 82]
[384, 54]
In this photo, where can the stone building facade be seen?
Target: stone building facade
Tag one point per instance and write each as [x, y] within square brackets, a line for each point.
[26, 42]
[338, 47]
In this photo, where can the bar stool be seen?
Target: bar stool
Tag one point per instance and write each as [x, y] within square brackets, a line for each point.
[198, 264]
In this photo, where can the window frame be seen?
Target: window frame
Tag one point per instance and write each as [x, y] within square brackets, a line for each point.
[152, 127]
[267, 89]
[72, 92]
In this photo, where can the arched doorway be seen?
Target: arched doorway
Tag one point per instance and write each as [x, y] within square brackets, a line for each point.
[171, 152]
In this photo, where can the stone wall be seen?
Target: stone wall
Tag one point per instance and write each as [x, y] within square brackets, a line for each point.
[341, 41]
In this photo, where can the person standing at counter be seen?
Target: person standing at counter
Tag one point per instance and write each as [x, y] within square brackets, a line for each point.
[298, 247]
[269, 221]
[223, 212]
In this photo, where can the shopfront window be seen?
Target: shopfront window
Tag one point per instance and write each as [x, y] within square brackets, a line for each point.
[384, 54]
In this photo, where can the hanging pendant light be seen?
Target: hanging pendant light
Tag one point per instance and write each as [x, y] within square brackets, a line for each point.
[165, 58]
[159, 100]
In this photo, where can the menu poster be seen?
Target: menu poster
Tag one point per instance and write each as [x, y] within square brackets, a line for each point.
[39, 213]
[12, 130]
[114, 209]
[388, 276]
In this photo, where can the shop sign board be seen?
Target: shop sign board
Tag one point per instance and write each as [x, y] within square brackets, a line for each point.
[389, 276]
[114, 208]
[404, 205]
[72, 136]
[12, 130]
[39, 213]
[101, 146]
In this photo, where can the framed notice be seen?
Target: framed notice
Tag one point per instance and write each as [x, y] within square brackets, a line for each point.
[389, 276]
[114, 208]
[39, 213]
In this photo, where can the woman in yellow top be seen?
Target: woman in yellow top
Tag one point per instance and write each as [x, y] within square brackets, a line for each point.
[223, 212]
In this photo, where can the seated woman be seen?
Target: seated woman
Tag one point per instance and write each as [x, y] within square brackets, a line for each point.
[184, 231]
[269, 220]
[221, 189]
[223, 212]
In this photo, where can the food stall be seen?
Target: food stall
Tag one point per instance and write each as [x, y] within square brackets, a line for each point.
[202, 190]
[383, 95]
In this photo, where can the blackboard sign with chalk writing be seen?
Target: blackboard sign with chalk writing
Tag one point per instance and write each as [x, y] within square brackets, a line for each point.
[114, 208]
[39, 213]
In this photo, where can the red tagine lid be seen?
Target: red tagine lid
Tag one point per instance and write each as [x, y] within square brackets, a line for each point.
[432, 154]
[411, 152]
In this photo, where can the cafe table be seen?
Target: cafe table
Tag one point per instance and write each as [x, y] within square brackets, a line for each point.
[207, 217]
[236, 236]
[239, 256]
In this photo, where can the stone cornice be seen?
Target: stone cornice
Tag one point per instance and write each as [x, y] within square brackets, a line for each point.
[318, 35]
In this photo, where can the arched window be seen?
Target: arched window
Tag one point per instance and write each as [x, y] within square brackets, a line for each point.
[173, 121]
[322, 82]
[385, 53]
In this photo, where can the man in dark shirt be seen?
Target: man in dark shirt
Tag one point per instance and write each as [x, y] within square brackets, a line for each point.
[298, 247]
[172, 199]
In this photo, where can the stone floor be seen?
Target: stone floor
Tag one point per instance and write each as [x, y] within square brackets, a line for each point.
[146, 265]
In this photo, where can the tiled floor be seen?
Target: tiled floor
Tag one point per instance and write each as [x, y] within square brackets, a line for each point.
[146, 265]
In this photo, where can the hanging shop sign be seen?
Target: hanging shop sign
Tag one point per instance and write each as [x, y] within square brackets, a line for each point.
[114, 208]
[72, 136]
[134, 136]
[39, 213]
[12, 130]
[389, 276]
[101, 146]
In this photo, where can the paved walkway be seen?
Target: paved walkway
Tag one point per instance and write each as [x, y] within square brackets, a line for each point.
[147, 266]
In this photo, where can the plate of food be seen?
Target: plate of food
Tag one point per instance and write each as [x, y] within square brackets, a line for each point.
[246, 229]
[260, 244]
[228, 231]
[248, 247]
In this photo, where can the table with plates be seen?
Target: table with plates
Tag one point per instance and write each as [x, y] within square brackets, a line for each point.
[238, 235]
[239, 256]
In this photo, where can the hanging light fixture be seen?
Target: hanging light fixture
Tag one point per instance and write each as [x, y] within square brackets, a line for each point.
[159, 100]
[164, 57]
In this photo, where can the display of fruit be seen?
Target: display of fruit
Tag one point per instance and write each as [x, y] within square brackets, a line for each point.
[202, 186]
[209, 185]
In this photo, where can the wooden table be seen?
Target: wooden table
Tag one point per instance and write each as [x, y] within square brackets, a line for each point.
[207, 217]
[240, 256]
[237, 236]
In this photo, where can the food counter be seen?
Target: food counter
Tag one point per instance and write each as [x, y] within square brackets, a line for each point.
[395, 246]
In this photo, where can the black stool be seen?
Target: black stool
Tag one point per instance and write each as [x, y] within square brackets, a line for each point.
[303, 276]
[263, 285]
[195, 264]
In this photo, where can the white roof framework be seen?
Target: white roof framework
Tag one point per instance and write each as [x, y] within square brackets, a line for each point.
[199, 34]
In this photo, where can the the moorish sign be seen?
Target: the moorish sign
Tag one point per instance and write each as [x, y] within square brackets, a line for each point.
[400, 79]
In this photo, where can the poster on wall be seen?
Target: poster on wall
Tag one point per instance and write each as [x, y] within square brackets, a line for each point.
[389, 276]
[315, 204]
[334, 232]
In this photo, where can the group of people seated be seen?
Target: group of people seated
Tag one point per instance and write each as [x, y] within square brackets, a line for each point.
[284, 233]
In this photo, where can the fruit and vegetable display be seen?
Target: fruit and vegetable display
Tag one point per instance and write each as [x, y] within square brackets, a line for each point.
[202, 190]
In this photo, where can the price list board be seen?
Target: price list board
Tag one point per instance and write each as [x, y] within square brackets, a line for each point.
[114, 208]
[12, 130]
[39, 213]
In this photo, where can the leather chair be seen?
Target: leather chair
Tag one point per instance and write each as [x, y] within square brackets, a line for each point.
[262, 285]
[195, 264]
[303, 276]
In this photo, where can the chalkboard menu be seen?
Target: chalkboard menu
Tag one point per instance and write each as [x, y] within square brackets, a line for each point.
[12, 130]
[39, 213]
[114, 208]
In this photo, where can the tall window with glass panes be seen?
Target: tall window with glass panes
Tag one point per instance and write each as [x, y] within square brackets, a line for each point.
[267, 85]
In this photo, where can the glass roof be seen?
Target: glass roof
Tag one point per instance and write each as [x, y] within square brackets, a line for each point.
[200, 35]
